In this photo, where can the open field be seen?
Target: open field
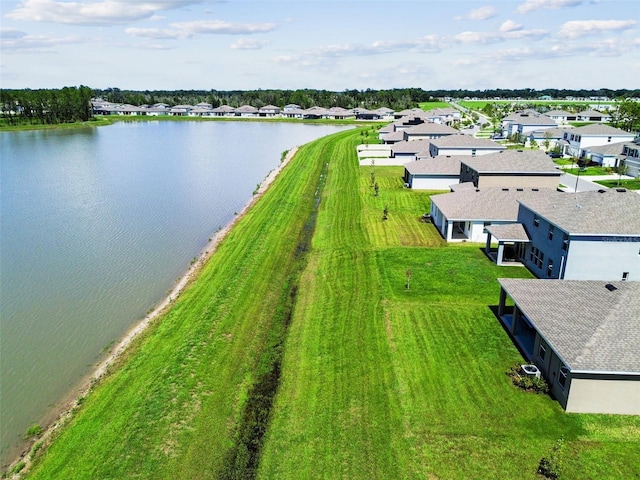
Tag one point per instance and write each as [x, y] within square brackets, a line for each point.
[374, 380]
[431, 105]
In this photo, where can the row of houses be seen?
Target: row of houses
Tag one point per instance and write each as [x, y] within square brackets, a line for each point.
[578, 322]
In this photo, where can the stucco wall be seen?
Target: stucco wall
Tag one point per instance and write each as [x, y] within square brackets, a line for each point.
[603, 260]
[604, 396]
[521, 181]
[433, 183]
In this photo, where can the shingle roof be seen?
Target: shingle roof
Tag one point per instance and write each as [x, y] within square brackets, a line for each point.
[606, 212]
[442, 165]
[559, 113]
[431, 128]
[413, 146]
[490, 204]
[591, 328]
[609, 148]
[514, 161]
[509, 232]
[465, 141]
[599, 129]
[394, 136]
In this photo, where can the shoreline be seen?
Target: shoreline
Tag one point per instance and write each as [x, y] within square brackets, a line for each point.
[70, 402]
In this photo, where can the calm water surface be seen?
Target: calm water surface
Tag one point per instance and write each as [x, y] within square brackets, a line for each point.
[96, 225]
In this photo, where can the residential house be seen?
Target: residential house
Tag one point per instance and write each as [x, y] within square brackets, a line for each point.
[608, 155]
[576, 140]
[406, 151]
[246, 111]
[631, 157]
[561, 117]
[339, 113]
[444, 116]
[428, 131]
[583, 337]
[463, 145]
[525, 122]
[180, 110]
[593, 116]
[511, 169]
[432, 173]
[224, 111]
[290, 107]
[467, 212]
[269, 111]
[551, 135]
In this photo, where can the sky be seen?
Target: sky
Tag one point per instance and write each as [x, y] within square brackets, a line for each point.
[320, 44]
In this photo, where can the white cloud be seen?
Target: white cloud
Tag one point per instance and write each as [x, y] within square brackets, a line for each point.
[35, 43]
[222, 27]
[482, 13]
[11, 33]
[510, 26]
[532, 5]
[580, 28]
[478, 37]
[248, 44]
[156, 33]
[102, 12]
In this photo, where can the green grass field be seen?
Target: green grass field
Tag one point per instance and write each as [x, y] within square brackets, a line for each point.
[376, 380]
[633, 184]
[432, 105]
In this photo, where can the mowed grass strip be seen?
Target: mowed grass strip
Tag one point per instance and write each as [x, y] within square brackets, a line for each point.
[381, 381]
[172, 408]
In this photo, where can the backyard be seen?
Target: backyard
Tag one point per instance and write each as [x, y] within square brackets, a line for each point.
[361, 348]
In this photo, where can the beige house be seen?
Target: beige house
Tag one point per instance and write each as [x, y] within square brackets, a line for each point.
[583, 336]
[511, 169]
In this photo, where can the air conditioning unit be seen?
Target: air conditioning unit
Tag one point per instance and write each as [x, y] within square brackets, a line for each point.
[530, 371]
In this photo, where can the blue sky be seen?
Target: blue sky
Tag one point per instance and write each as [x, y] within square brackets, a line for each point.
[334, 45]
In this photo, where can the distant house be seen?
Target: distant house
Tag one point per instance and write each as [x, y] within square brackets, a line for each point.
[593, 116]
[180, 110]
[582, 335]
[290, 107]
[224, 111]
[576, 140]
[608, 155]
[364, 114]
[428, 131]
[339, 113]
[432, 173]
[464, 145]
[631, 157]
[269, 111]
[511, 168]
[552, 135]
[561, 117]
[444, 116]
[246, 111]
[526, 122]
[465, 214]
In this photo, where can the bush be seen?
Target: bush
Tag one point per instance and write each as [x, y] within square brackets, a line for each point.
[34, 430]
[526, 382]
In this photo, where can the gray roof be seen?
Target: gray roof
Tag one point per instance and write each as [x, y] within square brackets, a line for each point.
[551, 133]
[559, 113]
[591, 328]
[387, 128]
[413, 146]
[599, 129]
[514, 161]
[443, 165]
[489, 204]
[609, 148]
[465, 141]
[428, 128]
[509, 232]
[529, 118]
[393, 136]
[247, 109]
[592, 113]
[605, 212]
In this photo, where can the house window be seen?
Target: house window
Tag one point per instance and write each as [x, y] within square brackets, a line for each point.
[565, 243]
[473, 152]
[625, 276]
[550, 232]
[542, 352]
[536, 221]
[609, 139]
[562, 376]
[550, 268]
[486, 224]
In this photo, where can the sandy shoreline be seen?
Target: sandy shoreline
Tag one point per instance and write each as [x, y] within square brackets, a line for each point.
[65, 412]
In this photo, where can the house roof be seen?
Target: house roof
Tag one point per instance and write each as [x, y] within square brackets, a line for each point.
[443, 165]
[592, 328]
[514, 161]
[599, 129]
[413, 146]
[552, 133]
[465, 141]
[394, 136]
[530, 118]
[605, 212]
[592, 113]
[224, 109]
[430, 128]
[509, 232]
[269, 107]
[387, 128]
[609, 148]
[559, 113]
[488, 204]
[247, 109]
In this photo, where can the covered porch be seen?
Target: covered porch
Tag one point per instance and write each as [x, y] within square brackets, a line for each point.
[518, 326]
[512, 239]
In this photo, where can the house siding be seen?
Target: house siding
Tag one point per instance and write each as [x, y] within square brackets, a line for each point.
[594, 259]
[595, 395]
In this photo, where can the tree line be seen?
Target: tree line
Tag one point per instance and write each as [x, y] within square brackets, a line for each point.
[46, 106]
[72, 104]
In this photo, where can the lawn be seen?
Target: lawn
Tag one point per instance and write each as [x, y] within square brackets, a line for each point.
[433, 105]
[629, 184]
[377, 380]
[590, 171]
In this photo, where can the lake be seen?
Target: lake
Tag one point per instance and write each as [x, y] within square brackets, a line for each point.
[96, 226]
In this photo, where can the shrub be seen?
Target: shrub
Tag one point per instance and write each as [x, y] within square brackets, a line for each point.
[34, 430]
[526, 382]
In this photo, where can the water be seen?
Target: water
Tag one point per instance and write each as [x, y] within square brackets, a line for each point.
[96, 225]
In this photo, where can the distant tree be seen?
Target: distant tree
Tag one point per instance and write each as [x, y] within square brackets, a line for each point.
[623, 169]
[408, 286]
